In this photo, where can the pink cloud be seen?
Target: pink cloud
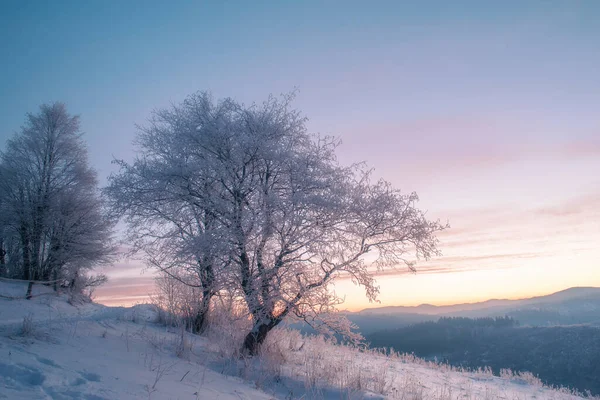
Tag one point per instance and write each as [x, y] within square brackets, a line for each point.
[125, 291]
[582, 148]
[584, 205]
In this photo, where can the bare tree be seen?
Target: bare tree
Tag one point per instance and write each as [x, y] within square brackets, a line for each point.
[163, 196]
[50, 200]
[179, 298]
[289, 219]
[3, 252]
[298, 220]
[3, 234]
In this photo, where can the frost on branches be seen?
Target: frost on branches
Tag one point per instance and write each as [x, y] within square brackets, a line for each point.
[53, 225]
[255, 206]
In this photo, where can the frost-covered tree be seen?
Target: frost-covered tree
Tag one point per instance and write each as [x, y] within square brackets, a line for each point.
[286, 218]
[164, 197]
[3, 244]
[50, 202]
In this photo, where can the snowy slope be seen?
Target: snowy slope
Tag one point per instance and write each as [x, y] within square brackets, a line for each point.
[93, 352]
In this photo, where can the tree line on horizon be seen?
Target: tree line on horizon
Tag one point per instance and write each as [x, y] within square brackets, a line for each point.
[558, 355]
[226, 199]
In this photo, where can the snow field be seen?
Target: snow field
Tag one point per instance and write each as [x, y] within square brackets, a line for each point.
[50, 349]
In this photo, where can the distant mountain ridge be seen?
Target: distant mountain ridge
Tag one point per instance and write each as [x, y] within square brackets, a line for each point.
[557, 336]
[429, 309]
[577, 305]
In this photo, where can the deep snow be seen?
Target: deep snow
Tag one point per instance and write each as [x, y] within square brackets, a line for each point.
[94, 352]
[50, 349]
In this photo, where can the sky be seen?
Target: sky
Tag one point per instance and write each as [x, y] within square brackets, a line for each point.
[488, 110]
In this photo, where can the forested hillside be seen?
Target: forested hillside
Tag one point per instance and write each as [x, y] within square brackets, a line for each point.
[565, 355]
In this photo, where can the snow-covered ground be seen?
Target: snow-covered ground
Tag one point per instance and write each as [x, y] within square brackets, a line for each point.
[94, 352]
[50, 349]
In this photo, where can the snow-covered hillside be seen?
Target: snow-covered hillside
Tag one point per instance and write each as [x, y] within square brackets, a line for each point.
[94, 352]
[50, 349]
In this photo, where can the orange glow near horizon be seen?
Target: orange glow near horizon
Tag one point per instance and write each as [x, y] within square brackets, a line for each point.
[538, 243]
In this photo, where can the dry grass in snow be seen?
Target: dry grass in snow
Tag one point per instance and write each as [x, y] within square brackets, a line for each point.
[50, 349]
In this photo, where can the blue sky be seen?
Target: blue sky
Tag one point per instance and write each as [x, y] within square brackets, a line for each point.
[476, 105]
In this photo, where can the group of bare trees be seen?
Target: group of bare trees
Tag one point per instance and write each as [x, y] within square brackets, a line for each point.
[242, 201]
[228, 200]
[53, 225]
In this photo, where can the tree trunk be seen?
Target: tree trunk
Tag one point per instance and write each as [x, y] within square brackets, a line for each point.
[201, 320]
[28, 296]
[257, 336]
[200, 323]
[74, 283]
[52, 264]
[27, 273]
[2, 259]
[34, 261]
[207, 280]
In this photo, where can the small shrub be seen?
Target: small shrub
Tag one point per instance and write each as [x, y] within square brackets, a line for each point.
[272, 359]
[382, 381]
[183, 346]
